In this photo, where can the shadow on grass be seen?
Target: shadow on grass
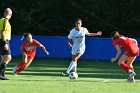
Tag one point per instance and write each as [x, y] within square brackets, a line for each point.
[86, 69]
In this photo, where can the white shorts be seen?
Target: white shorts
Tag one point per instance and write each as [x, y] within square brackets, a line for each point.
[78, 50]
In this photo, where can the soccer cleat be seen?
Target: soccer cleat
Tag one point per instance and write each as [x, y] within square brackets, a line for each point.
[131, 80]
[1, 77]
[131, 75]
[5, 78]
[64, 74]
[15, 74]
[14, 70]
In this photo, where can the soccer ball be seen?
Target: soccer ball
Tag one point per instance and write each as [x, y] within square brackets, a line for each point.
[73, 75]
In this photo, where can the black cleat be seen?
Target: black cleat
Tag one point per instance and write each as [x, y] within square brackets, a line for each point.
[3, 78]
[64, 74]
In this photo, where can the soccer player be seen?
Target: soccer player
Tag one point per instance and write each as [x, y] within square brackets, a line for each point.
[5, 36]
[130, 46]
[77, 35]
[28, 50]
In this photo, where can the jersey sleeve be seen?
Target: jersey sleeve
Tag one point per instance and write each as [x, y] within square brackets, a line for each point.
[115, 42]
[23, 45]
[36, 43]
[70, 34]
[5, 24]
[86, 31]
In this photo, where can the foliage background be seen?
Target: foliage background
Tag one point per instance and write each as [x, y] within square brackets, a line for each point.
[56, 17]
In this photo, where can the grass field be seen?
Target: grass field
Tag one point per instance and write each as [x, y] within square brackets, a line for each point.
[43, 76]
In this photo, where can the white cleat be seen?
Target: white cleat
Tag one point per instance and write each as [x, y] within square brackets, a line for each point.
[14, 70]
[131, 75]
[15, 74]
[132, 80]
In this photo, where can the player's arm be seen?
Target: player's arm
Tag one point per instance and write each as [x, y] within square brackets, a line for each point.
[38, 44]
[69, 44]
[3, 36]
[44, 49]
[118, 53]
[69, 38]
[3, 30]
[95, 34]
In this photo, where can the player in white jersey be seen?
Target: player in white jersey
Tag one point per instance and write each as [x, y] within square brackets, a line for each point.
[77, 35]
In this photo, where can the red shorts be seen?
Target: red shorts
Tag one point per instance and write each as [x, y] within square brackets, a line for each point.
[133, 50]
[31, 57]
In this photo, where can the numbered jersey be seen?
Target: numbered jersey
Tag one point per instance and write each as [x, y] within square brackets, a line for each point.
[30, 49]
[78, 37]
[124, 42]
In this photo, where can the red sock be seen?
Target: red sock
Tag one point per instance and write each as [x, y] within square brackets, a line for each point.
[131, 68]
[20, 64]
[20, 69]
[124, 67]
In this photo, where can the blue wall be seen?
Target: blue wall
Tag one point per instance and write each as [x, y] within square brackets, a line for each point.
[96, 48]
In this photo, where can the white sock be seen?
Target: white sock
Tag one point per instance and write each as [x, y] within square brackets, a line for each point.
[72, 64]
[75, 67]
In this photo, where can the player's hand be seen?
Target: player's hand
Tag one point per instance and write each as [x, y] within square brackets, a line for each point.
[99, 33]
[113, 59]
[47, 52]
[69, 45]
[6, 47]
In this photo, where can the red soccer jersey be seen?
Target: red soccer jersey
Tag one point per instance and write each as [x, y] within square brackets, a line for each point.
[123, 42]
[30, 49]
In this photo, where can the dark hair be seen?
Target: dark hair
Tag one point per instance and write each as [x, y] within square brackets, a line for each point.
[78, 19]
[24, 35]
[115, 35]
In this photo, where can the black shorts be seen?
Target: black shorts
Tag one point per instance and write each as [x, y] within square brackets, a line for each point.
[2, 51]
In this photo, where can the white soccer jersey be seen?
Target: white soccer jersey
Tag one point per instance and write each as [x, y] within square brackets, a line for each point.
[78, 38]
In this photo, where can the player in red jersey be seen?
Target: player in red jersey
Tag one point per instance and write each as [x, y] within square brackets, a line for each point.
[28, 50]
[130, 46]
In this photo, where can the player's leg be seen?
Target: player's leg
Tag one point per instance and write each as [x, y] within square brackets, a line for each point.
[130, 61]
[20, 64]
[132, 52]
[125, 66]
[73, 64]
[6, 58]
[24, 66]
[122, 63]
[29, 60]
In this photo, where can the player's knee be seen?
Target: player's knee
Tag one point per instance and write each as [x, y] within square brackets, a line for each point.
[7, 58]
[75, 59]
[24, 60]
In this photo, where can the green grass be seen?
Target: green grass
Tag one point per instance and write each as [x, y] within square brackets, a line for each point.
[43, 76]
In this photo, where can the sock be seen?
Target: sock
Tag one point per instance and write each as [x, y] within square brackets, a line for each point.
[72, 64]
[20, 69]
[75, 67]
[2, 69]
[3, 72]
[20, 64]
[124, 67]
[131, 69]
